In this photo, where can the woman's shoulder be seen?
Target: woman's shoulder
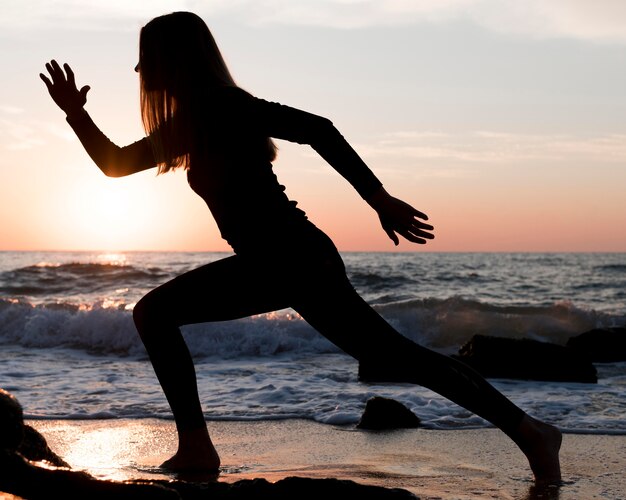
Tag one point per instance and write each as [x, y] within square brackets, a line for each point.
[231, 99]
[237, 103]
[231, 92]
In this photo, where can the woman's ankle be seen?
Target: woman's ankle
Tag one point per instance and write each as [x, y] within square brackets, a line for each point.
[195, 452]
[541, 443]
[196, 437]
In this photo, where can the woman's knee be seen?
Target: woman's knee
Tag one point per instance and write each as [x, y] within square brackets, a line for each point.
[149, 312]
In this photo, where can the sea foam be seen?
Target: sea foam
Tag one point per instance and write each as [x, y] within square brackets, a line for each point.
[442, 324]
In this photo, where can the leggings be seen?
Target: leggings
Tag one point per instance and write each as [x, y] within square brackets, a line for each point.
[315, 285]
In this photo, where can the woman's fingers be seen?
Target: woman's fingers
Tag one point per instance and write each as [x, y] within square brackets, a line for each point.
[50, 70]
[415, 231]
[407, 235]
[56, 66]
[420, 215]
[56, 73]
[420, 237]
[415, 226]
[70, 74]
[421, 225]
[392, 236]
[418, 233]
[46, 80]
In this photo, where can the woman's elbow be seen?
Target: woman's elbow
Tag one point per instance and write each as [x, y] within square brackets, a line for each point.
[117, 165]
[112, 170]
[108, 170]
[122, 169]
[323, 130]
[324, 125]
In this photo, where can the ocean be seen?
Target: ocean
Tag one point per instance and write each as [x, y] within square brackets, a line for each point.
[69, 350]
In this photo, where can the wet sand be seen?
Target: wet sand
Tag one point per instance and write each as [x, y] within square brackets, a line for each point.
[447, 465]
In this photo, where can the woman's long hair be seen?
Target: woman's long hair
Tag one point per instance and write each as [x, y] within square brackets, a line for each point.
[179, 64]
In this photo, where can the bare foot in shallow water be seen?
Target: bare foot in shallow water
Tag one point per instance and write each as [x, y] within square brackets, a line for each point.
[196, 453]
[541, 443]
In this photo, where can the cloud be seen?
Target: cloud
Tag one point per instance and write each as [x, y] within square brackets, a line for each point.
[10, 110]
[18, 136]
[23, 134]
[349, 14]
[83, 14]
[598, 20]
[496, 148]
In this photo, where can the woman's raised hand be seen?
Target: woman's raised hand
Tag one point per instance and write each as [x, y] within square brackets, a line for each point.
[62, 88]
[399, 217]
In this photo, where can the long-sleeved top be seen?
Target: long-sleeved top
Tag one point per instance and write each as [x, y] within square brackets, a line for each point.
[231, 170]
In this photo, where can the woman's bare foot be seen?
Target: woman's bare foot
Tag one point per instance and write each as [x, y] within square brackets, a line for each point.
[196, 453]
[541, 443]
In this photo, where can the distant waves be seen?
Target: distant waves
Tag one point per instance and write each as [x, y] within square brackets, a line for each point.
[443, 324]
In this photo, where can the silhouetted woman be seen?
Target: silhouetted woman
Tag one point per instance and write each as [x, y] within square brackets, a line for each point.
[196, 118]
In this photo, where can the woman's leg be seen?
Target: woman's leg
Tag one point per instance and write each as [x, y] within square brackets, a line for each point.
[332, 306]
[223, 290]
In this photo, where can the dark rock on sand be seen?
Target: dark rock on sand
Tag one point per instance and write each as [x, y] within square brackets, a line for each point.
[38, 480]
[601, 345]
[290, 488]
[15, 436]
[34, 447]
[19, 444]
[23, 478]
[384, 413]
[28, 480]
[11, 421]
[526, 359]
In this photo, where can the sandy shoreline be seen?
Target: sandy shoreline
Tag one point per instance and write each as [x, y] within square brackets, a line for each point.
[460, 464]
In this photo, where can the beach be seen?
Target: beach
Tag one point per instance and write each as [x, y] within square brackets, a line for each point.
[467, 464]
[281, 400]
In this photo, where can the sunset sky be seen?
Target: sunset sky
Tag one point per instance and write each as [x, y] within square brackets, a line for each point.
[504, 121]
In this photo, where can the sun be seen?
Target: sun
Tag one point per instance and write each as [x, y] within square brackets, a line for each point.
[109, 214]
[138, 212]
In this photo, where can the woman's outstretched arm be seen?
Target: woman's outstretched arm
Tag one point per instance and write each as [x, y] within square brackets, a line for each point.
[284, 122]
[114, 161]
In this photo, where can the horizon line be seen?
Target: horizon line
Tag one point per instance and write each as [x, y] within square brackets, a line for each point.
[418, 250]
